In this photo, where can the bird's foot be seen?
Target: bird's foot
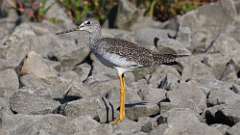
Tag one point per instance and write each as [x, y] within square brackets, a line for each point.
[118, 120]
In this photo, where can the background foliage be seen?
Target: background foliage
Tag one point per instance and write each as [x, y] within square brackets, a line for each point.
[78, 10]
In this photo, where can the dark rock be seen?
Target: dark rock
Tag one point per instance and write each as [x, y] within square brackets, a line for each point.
[27, 103]
[225, 114]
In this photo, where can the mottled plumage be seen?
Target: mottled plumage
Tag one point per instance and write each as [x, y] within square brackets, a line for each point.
[141, 56]
[122, 55]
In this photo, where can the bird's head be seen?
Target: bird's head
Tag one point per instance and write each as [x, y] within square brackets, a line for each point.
[90, 25]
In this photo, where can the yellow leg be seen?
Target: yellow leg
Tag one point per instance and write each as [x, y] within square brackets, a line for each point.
[122, 100]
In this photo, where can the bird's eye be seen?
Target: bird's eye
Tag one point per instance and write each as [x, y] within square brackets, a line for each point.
[88, 22]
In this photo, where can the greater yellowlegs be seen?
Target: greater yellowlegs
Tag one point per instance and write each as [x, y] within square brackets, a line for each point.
[122, 55]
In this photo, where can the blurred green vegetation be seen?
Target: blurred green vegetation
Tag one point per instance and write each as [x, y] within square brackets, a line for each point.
[78, 10]
[35, 10]
[163, 10]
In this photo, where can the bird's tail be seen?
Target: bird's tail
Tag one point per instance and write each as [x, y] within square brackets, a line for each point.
[166, 56]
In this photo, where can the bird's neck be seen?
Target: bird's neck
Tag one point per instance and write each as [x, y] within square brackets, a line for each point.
[94, 37]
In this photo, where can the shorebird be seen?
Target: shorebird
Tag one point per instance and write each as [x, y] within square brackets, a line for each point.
[122, 55]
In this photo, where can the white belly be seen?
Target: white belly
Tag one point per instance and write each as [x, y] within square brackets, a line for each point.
[114, 60]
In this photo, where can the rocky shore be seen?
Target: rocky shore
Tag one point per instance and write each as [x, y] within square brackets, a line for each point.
[54, 85]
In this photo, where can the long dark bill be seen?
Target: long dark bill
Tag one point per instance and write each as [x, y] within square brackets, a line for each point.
[67, 31]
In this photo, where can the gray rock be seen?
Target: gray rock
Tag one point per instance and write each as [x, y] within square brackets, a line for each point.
[30, 36]
[148, 124]
[145, 36]
[102, 130]
[165, 77]
[27, 103]
[166, 106]
[50, 124]
[235, 88]
[209, 84]
[146, 21]
[159, 130]
[66, 50]
[222, 96]
[231, 50]
[205, 24]
[148, 93]
[81, 107]
[102, 88]
[57, 12]
[194, 69]
[234, 130]
[231, 7]
[57, 87]
[4, 108]
[222, 66]
[101, 72]
[83, 124]
[83, 71]
[105, 111]
[3, 132]
[114, 96]
[70, 75]
[9, 79]
[184, 121]
[188, 95]
[142, 109]
[127, 14]
[118, 33]
[221, 127]
[16, 45]
[127, 127]
[35, 65]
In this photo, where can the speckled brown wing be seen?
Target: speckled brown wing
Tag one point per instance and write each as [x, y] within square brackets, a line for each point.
[140, 55]
[130, 51]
